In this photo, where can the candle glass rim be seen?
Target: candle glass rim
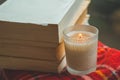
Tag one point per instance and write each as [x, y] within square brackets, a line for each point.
[68, 37]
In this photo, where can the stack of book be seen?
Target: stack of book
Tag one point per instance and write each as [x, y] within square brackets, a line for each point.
[31, 32]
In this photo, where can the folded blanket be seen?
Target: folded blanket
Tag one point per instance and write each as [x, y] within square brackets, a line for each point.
[108, 68]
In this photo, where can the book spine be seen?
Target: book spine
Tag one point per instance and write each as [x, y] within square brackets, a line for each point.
[72, 16]
[82, 18]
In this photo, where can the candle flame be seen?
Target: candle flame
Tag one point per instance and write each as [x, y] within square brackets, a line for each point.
[80, 35]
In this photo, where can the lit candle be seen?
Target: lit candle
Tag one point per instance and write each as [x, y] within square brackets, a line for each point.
[81, 51]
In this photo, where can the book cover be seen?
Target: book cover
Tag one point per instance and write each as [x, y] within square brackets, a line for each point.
[38, 20]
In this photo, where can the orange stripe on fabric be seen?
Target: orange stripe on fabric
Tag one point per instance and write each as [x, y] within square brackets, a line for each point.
[102, 75]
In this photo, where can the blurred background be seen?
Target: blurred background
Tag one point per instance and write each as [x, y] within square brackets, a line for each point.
[105, 15]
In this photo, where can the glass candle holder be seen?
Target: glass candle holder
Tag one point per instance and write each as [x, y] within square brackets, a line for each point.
[81, 48]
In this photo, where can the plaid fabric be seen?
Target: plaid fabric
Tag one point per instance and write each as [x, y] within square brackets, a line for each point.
[108, 68]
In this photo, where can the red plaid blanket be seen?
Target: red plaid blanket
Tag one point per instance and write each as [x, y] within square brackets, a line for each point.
[108, 68]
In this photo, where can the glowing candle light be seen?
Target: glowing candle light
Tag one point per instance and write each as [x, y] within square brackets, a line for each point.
[81, 50]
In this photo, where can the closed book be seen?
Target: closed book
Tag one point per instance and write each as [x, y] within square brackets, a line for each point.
[31, 32]
[15, 63]
[40, 20]
[33, 52]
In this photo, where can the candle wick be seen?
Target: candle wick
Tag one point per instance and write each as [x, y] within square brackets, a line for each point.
[80, 36]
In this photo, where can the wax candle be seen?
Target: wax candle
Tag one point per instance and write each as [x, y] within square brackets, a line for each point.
[81, 51]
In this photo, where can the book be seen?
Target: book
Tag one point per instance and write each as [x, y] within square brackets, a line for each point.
[13, 43]
[35, 49]
[42, 21]
[31, 64]
[34, 52]
[82, 18]
[31, 42]
[46, 63]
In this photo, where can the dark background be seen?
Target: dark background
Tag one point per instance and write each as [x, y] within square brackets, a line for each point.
[105, 15]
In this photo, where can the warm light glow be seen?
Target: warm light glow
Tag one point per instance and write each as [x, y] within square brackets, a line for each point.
[80, 35]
